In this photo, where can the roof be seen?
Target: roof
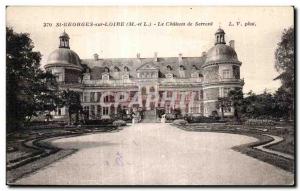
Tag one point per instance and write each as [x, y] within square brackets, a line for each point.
[219, 31]
[221, 53]
[64, 56]
[64, 34]
[134, 64]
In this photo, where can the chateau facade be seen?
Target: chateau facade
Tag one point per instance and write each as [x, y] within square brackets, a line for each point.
[190, 84]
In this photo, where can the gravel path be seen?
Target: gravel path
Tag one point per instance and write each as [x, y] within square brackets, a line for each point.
[275, 141]
[157, 154]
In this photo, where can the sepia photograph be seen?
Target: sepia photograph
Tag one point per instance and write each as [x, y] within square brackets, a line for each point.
[150, 96]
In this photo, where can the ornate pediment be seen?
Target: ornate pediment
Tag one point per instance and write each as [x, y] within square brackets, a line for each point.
[148, 66]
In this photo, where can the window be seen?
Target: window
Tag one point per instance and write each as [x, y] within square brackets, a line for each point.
[116, 73]
[86, 109]
[195, 74]
[57, 77]
[116, 69]
[226, 74]
[236, 72]
[132, 95]
[182, 71]
[126, 69]
[226, 91]
[98, 110]
[152, 89]
[85, 97]
[169, 75]
[105, 76]
[144, 91]
[105, 111]
[98, 96]
[194, 109]
[106, 99]
[201, 94]
[168, 109]
[169, 68]
[92, 111]
[205, 110]
[92, 96]
[109, 99]
[169, 94]
[196, 95]
[125, 76]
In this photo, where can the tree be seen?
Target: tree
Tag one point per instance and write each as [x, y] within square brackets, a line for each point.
[266, 105]
[222, 103]
[28, 91]
[284, 64]
[71, 100]
[236, 98]
[282, 101]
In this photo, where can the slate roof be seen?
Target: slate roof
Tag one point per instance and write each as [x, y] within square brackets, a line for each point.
[97, 67]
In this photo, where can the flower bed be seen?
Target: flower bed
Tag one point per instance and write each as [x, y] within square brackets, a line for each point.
[260, 122]
[119, 123]
[180, 122]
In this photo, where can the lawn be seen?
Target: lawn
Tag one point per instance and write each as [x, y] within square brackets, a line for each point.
[286, 131]
[27, 145]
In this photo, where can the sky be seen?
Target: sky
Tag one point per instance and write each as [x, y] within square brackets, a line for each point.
[255, 45]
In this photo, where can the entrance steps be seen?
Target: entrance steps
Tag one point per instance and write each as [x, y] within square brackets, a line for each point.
[149, 117]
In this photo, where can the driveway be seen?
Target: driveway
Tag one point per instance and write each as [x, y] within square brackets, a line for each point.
[157, 154]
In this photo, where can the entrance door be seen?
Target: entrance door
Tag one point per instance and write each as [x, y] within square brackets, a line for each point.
[152, 105]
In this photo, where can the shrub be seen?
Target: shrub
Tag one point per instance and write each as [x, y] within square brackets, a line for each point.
[260, 122]
[194, 118]
[180, 122]
[170, 116]
[119, 123]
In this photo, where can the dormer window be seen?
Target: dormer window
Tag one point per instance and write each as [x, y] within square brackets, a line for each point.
[169, 68]
[169, 76]
[106, 70]
[125, 76]
[116, 69]
[182, 71]
[126, 69]
[105, 76]
[116, 73]
[195, 74]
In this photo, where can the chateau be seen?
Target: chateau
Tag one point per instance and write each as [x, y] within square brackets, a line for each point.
[190, 84]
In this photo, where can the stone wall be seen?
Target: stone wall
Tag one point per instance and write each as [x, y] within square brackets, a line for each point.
[209, 107]
[211, 94]
[211, 74]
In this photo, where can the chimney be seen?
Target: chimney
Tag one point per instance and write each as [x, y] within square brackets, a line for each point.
[155, 57]
[179, 57]
[231, 44]
[203, 54]
[96, 57]
[138, 55]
